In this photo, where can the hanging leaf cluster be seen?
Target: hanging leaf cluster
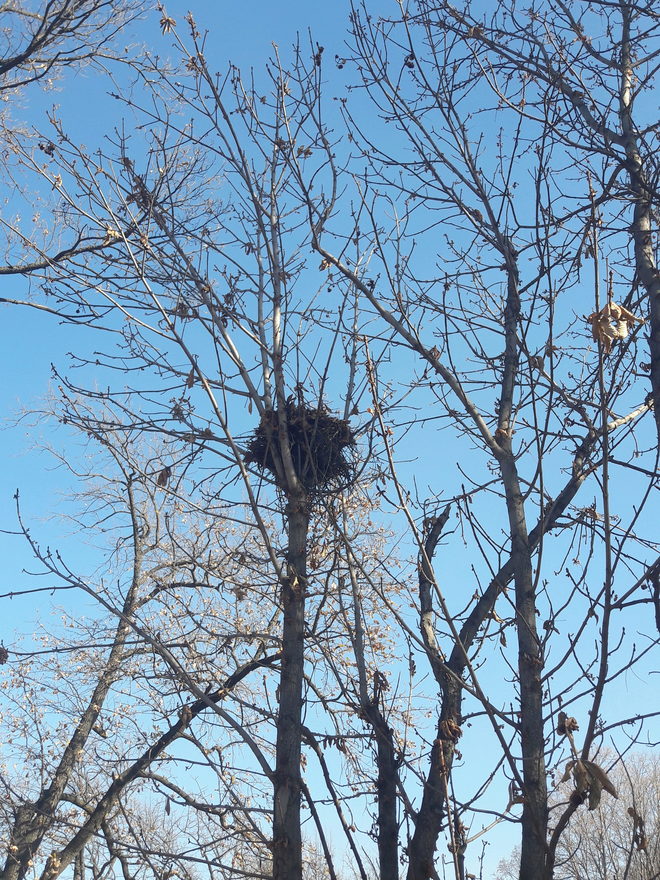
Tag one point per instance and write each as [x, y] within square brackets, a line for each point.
[611, 323]
[590, 781]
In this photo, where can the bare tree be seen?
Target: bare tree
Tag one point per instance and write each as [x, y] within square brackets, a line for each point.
[405, 365]
[139, 658]
[439, 169]
[298, 445]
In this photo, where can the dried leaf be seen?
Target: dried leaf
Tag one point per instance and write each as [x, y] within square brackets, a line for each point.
[581, 777]
[568, 771]
[450, 730]
[590, 779]
[639, 835]
[612, 322]
[515, 796]
[597, 773]
[595, 792]
[166, 22]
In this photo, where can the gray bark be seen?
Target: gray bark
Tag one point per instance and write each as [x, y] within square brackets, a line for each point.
[287, 842]
[642, 194]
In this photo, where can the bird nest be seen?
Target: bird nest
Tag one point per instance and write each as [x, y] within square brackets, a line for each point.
[320, 447]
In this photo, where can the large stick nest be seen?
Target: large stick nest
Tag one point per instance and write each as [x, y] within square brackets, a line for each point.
[320, 447]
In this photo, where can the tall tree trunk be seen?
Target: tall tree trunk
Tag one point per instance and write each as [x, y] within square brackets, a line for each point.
[388, 827]
[643, 196]
[287, 840]
[433, 808]
[530, 660]
[530, 665]
[421, 849]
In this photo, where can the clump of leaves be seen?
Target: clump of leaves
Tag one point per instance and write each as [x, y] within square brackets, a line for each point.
[590, 781]
[611, 323]
[319, 443]
[566, 725]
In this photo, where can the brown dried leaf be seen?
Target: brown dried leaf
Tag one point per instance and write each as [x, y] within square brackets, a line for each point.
[595, 792]
[166, 22]
[597, 773]
[568, 772]
[590, 779]
[561, 723]
[450, 730]
[612, 322]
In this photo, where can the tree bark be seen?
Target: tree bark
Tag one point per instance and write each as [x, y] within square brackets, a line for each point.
[641, 189]
[530, 664]
[287, 840]
[530, 659]
[433, 808]
[386, 792]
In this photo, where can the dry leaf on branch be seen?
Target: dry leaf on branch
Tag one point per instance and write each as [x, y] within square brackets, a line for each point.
[566, 724]
[450, 730]
[612, 322]
[166, 21]
[639, 835]
[590, 779]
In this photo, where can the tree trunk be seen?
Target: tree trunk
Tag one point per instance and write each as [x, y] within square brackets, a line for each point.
[530, 664]
[287, 841]
[643, 195]
[433, 808]
[388, 826]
